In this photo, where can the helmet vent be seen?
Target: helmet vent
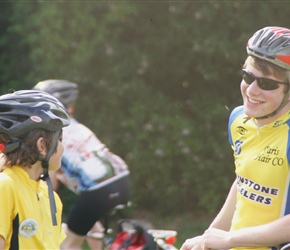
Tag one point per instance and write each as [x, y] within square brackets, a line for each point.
[6, 124]
[278, 42]
[59, 114]
[271, 44]
[18, 109]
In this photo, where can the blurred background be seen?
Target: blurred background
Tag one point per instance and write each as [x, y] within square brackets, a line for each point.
[157, 80]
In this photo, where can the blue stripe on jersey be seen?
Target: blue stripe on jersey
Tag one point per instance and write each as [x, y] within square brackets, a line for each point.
[84, 181]
[235, 113]
[288, 143]
[287, 207]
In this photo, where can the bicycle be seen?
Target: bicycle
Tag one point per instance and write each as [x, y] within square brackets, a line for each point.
[286, 247]
[165, 239]
[107, 234]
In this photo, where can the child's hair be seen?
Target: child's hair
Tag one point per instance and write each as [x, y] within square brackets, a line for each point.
[27, 154]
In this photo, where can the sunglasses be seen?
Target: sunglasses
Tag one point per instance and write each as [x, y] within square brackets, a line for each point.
[263, 83]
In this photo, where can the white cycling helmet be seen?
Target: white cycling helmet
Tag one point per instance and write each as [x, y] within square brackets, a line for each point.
[63, 90]
[271, 44]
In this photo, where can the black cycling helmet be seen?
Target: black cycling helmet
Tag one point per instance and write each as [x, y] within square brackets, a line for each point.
[271, 44]
[63, 90]
[24, 110]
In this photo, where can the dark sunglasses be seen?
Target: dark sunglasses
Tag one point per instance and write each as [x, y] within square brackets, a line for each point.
[263, 83]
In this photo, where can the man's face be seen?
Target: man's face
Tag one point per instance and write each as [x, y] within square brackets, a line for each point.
[259, 102]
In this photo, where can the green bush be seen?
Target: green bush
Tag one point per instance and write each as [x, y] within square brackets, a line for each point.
[173, 158]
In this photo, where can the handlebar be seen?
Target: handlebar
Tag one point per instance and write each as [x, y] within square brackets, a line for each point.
[162, 234]
[286, 247]
[165, 239]
[164, 246]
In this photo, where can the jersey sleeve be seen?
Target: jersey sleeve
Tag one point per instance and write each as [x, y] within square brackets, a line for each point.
[7, 199]
[234, 114]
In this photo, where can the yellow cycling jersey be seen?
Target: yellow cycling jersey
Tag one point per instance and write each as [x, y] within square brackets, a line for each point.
[25, 217]
[262, 169]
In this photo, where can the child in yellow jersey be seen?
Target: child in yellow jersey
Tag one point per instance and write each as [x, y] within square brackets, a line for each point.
[256, 213]
[98, 177]
[31, 125]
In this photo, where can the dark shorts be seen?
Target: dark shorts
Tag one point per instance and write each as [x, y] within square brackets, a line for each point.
[92, 205]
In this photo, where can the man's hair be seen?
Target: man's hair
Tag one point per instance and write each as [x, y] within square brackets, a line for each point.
[27, 154]
[268, 68]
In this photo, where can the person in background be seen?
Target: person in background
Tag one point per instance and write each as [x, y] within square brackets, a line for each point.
[98, 177]
[256, 212]
[31, 125]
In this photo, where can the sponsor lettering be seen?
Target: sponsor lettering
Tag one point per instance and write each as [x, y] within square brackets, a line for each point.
[255, 191]
[269, 155]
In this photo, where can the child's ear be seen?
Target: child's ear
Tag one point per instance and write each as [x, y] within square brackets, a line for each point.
[40, 144]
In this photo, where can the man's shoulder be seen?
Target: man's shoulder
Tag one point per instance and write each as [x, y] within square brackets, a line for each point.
[236, 112]
[75, 124]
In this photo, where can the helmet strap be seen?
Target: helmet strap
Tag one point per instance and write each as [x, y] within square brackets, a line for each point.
[46, 178]
[283, 103]
[12, 145]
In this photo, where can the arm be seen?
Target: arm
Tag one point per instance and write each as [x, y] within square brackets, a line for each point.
[271, 234]
[222, 220]
[58, 177]
[2, 242]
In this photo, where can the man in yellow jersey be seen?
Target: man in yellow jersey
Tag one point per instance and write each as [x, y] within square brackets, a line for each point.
[256, 212]
[31, 125]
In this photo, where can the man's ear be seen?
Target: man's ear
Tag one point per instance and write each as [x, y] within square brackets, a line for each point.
[40, 144]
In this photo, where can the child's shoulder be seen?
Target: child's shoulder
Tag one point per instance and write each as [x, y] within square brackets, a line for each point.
[5, 177]
[6, 182]
[43, 186]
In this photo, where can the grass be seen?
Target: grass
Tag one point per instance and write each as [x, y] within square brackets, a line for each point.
[187, 225]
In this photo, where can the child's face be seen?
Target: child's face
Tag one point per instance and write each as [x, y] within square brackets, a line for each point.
[55, 159]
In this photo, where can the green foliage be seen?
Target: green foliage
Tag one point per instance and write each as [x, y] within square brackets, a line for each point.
[157, 82]
[13, 50]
